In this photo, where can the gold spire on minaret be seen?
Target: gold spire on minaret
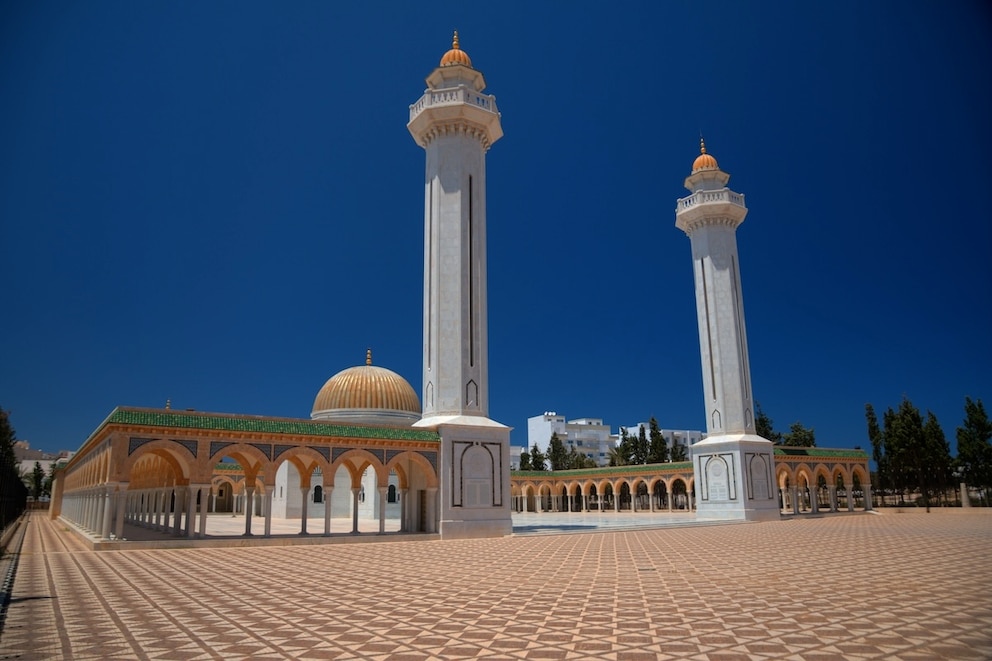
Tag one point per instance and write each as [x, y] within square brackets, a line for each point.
[704, 161]
[368, 356]
[456, 55]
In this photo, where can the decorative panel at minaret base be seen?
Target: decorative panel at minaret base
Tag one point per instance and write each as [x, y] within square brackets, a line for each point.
[475, 478]
[735, 479]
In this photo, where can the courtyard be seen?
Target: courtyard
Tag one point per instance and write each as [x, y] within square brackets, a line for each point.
[893, 585]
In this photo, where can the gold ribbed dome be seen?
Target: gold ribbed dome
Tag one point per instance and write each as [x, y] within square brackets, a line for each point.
[368, 394]
[456, 55]
[704, 161]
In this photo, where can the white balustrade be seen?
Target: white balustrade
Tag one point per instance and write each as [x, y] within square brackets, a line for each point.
[707, 196]
[453, 96]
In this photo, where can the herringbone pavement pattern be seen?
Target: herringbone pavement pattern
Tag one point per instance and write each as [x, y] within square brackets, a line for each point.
[862, 586]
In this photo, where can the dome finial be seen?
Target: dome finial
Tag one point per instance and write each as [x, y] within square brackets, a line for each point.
[368, 356]
[456, 55]
[168, 404]
[702, 145]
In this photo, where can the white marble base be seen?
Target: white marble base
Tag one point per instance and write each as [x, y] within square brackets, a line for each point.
[735, 479]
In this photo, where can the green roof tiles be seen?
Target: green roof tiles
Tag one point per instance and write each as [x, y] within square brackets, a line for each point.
[606, 470]
[833, 453]
[260, 424]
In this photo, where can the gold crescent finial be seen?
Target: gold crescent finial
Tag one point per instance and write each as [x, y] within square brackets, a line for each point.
[168, 404]
[368, 357]
[702, 145]
[454, 41]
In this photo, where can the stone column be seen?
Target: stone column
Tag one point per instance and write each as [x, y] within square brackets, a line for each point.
[794, 496]
[177, 510]
[354, 510]
[404, 513]
[108, 512]
[190, 526]
[850, 497]
[832, 495]
[121, 509]
[100, 498]
[585, 502]
[328, 490]
[814, 498]
[382, 510]
[249, 496]
[305, 493]
[204, 502]
[267, 508]
[868, 505]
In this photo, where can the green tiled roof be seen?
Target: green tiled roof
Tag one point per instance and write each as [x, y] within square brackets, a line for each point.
[606, 470]
[820, 452]
[260, 424]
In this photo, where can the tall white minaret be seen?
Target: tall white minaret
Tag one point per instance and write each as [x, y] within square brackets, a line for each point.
[733, 467]
[456, 124]
[710, 217]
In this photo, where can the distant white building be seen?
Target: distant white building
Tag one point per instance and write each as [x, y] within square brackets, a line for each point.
[588, 436]
[683, 437]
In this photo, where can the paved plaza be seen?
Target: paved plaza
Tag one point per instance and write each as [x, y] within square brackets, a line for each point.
[843, 586]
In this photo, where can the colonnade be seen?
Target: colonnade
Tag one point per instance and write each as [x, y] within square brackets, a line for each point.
[581, 503]
[181, 511]
[795, 499]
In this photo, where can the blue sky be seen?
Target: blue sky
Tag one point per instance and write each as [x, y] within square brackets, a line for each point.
[219, 203]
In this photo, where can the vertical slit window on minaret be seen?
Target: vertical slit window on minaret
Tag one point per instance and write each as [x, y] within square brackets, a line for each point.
[739, 319]
[471, 280]
[709, 330]
[430, 268]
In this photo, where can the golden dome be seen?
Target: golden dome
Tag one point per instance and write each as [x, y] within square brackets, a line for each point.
[704, 161]
[456, 55]
[367, 394]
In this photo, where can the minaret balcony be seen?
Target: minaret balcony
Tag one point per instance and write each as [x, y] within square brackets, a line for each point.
[453, 96]
[709, 204]
[455, 107]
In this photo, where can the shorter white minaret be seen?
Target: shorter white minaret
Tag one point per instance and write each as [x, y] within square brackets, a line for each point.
[734, 468]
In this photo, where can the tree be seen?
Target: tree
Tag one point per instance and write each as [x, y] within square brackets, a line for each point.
[49, 479]
[917, 452]
[679, 452]
[578, 460]
[877, 440]
[799, 436]
[37, 480]
[935, 464]
[525, 461]
[763, 426]
[557, 454]
[13, 493]
[622, 454]
[658, 449]
[974, 460]
[640, 453]
[537, 459]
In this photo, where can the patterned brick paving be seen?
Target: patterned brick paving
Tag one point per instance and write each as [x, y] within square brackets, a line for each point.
[890, 586]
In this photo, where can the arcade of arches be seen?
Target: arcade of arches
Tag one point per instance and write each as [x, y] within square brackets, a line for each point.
[809, 480]
[166, 470]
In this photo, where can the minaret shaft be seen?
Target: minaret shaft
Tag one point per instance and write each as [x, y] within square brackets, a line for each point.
[455, 338]
[722, 335]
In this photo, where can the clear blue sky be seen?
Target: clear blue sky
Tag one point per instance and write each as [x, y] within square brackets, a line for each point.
[219, 203]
